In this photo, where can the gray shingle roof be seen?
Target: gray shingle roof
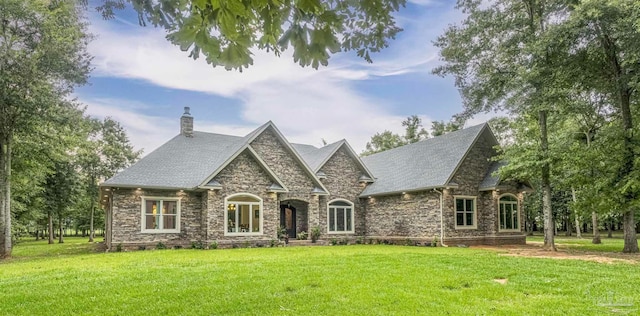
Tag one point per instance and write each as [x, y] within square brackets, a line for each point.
[182, 162]
[492, 180]
[315, 157]
[426, 164]
[186, 162]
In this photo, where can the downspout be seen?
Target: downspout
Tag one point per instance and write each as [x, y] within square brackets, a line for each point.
[441, 219]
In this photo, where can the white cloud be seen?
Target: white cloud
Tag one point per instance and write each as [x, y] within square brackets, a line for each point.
[306, 104]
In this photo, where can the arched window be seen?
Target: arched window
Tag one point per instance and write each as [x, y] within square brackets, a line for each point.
[243, 215]
[509, 215]
[340, 217]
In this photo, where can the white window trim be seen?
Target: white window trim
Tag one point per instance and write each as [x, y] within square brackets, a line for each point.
[160, 198]
[517, 202]
[475, 212]
[226, 214]
[353, 224]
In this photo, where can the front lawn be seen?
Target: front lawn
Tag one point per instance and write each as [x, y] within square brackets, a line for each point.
[330, 280]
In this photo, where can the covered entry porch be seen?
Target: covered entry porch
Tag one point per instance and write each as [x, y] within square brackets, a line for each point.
[294, 217]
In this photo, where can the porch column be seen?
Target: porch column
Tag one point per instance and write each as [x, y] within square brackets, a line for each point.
[314, 212]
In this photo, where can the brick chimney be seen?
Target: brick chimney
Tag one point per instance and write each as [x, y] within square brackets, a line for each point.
[186, 123]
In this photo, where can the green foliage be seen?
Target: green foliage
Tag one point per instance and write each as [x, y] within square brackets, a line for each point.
[42, 57]
[197, 244]
[381, 142]
[441, 127]
[225, 32]
[414, 132]
[161, 245]
[302, 236]
[386, 140]
[213, 245]
[315, 233]
[272, 283]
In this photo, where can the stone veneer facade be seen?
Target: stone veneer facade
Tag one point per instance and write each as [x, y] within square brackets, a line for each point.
[414, 215]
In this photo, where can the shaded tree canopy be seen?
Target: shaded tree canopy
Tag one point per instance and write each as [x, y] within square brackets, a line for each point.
[225, 32]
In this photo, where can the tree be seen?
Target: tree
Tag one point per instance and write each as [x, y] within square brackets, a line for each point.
[386, 140]
[503, 58]
[381, 142]
[441, 127]
[42, 56]
[106, 152]
[61, 193]
[599, 36]
[226, 31]
[414, 132]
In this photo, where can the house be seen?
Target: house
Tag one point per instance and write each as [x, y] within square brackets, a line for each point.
[205, 187]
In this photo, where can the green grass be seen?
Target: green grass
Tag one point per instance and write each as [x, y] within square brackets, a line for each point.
[331, 280]
[615, 244]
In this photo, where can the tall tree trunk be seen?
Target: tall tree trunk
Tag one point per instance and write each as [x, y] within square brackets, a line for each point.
[619, 77]
[92, 231]
[61, 237]
[596, 231]
[5, 196]
[610, 230]
[50, 227]
[575, 200]
[549, 226]
[628, 222]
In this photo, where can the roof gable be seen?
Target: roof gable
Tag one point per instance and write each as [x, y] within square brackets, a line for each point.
[318, 157]
[176, 165]
[277, 184]
[426, 164]
[319, 188]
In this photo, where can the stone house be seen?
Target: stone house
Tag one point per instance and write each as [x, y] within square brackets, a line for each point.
[205, 187]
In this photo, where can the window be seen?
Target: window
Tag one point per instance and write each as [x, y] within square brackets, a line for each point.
[465, 212]
[508, 207]
[243, 215]
[340, 217]
[161, 215]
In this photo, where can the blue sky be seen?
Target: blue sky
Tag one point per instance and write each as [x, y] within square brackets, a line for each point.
[144, 82]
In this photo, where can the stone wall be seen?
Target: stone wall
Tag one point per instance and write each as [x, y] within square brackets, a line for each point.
[127, 217]
[342, 181]
[284, 165]
[414, 215]
[468, 177]
[243, 175]
[293, 175]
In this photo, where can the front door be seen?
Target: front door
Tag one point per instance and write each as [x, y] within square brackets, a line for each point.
[288, 220]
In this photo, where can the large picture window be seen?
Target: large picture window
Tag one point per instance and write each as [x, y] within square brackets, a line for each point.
[509, 213]
[243, 215]
[160, 215]
[465, 212]
[340, 217]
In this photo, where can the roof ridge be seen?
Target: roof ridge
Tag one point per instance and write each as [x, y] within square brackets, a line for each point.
[428, 140]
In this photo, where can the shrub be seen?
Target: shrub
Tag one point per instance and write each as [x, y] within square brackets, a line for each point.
[302, 235]
[197, 244]
[214, 245]
[160, 245]
[273, 243]
[360, 240]
[315, 233]
[119, 248]
[333, 241]
[142, 248]
[282, 233]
